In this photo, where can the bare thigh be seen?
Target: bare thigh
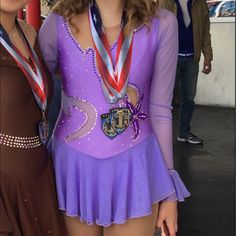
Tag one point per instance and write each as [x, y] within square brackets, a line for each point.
[143, 226]
[76, 228]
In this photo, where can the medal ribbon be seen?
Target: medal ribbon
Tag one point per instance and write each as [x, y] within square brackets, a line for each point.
[114, 82]
[35, 79]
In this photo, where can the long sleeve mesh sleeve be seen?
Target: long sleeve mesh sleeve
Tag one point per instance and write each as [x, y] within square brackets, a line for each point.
[49, 49]
[48, 42]
[162, 86]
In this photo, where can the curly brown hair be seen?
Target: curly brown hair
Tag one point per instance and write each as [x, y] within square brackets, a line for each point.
[137, 12]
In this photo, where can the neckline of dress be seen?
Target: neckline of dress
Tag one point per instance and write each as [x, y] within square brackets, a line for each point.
[83, 50]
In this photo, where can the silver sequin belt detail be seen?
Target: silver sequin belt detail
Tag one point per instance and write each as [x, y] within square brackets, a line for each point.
[20, 142]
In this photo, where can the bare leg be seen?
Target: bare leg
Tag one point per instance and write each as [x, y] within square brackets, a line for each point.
[143, 226]
[76, 228]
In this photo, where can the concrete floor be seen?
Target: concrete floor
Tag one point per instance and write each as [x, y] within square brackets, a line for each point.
[208, 172]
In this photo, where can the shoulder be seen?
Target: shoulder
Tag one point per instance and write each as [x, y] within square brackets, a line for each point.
[200, 5]
[52, 19]
[53, 16]
[165, 22]
[49, 26]
[27, 28]
[165, 17]
[168, 4]
[50, 23]
[164, 27]
[48, 32]
[29, 31]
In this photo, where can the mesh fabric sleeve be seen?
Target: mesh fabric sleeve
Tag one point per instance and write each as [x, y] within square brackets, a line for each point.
[49, 49]
[161, 95]
[48, 42]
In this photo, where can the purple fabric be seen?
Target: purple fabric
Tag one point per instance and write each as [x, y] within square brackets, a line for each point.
[102, 180]
[115, 189]
[180, 190]
[80, 79]
[154, 67]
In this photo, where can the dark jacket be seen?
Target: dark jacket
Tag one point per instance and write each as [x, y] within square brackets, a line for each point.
[201, 27]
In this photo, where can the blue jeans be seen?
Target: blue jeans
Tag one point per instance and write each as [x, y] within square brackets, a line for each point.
[186, 81]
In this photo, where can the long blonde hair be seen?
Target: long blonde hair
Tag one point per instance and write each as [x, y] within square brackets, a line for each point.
[137, 12]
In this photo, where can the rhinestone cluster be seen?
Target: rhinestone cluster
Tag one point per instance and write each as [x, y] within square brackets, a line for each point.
[20, 142]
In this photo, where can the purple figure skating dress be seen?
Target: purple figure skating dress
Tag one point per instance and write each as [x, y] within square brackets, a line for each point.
[103, 180]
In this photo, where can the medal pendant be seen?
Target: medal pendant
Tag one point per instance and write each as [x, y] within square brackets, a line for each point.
[120, 119]
[43, 131]
[107, 127]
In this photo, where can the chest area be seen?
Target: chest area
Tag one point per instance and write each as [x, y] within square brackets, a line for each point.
[14, 85]
[79, 67]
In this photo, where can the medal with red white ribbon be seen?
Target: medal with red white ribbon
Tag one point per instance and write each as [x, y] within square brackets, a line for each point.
[114, 78]
[34, 74]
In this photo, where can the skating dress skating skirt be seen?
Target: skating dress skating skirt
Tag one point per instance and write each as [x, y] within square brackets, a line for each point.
[101, 180]
[28, 201]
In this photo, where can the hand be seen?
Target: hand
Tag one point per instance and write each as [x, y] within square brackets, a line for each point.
[206, 67]
[167, 218]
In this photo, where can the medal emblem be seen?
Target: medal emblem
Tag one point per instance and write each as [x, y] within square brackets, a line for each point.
[107, 127]
[120, 118]
[115, 122]
[43, 131]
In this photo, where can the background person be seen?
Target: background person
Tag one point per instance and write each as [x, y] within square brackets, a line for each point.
[194, 39]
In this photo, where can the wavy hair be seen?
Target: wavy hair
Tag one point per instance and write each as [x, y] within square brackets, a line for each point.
[137, 12]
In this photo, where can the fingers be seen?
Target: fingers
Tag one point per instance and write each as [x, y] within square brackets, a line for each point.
[206, 70]
[206, 67]
[160, 220]
[168, 229]
[165, 231]
[161, 224]
[176, 228]
[176, 225]
[167, 218]
[171, 229]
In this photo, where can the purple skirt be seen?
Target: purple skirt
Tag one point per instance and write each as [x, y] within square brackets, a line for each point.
[116, 189]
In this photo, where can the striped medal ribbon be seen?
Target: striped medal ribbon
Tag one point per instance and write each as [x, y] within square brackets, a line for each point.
[35, 78]
[114, 78]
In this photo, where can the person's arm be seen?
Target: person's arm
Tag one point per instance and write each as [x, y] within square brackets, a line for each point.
[206, 43]
[48, 42]
[49, 49]
[162, 86]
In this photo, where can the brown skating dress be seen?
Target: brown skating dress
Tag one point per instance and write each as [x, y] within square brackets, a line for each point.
[28, 204]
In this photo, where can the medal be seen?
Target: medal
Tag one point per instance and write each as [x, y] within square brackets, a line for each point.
[35, 78]
[115, 122]
[120, 119]
[107, 127]
[43, 129]
[114, 78]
